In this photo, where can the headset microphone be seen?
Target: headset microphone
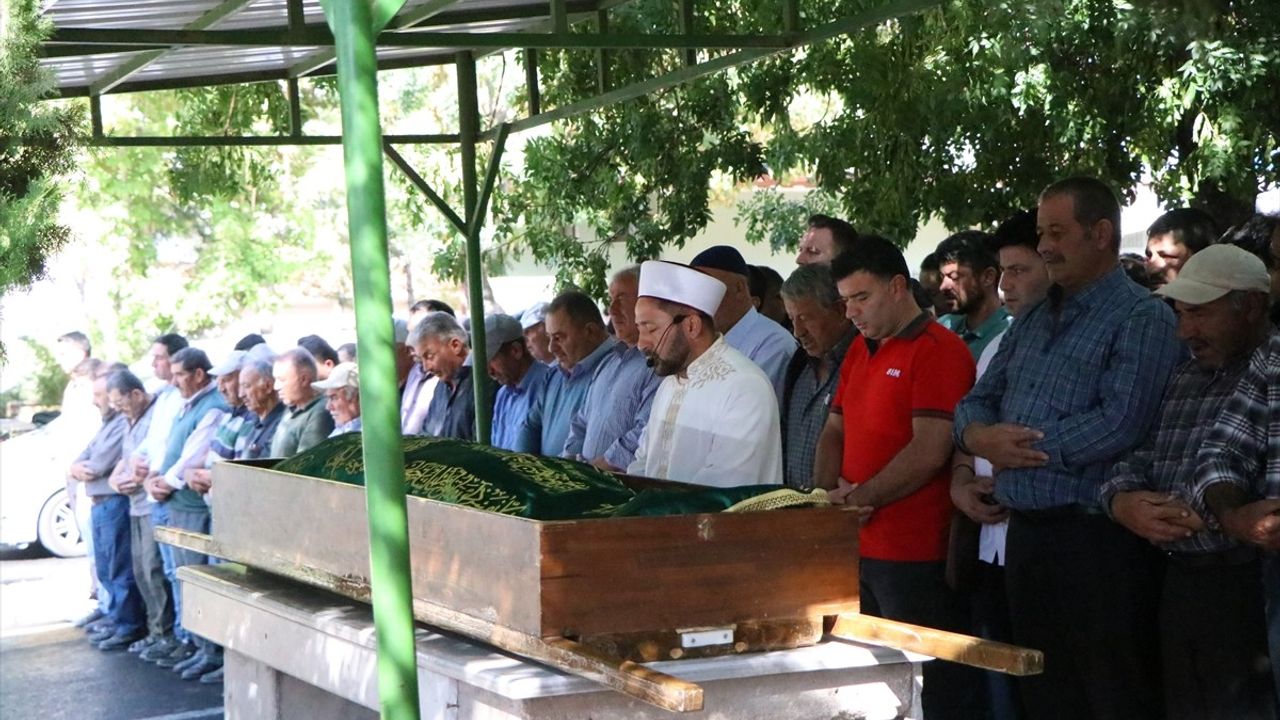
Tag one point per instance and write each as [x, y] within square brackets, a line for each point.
[652, 360]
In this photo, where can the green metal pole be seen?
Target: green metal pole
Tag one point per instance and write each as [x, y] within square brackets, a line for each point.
[383, 453]
[468, 132]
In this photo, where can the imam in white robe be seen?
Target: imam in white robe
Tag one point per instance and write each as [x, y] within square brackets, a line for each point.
[719, 426]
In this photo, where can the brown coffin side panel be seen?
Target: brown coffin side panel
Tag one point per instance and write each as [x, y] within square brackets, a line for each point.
[475, 562]
[662, 573]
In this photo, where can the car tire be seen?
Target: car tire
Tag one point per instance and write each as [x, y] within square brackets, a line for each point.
[57, 529]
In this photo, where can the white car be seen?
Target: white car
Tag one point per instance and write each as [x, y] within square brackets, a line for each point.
[33, 495]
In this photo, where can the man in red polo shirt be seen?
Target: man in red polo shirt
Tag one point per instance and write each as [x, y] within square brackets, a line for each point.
[886, 447]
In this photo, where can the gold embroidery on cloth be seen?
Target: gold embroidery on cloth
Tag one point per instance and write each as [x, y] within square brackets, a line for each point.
[455, 485]
[546, 478]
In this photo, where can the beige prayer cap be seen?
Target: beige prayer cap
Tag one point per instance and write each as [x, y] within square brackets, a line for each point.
[1215, 271]
[680, 284]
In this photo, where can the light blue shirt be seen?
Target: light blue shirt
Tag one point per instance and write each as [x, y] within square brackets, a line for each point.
[547, 430]
[511, 409]
[615, 410]
[351, 426]
[767, 344]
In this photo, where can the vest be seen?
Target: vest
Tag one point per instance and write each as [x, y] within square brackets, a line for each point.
[183, 426]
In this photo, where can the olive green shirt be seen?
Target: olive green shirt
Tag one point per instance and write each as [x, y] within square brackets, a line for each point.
[302, 428]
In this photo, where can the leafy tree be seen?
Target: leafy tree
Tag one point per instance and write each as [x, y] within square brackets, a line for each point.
[963, 112]
[37, 148]
[204, 234]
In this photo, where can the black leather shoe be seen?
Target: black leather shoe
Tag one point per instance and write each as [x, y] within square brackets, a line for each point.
[202, 668]
[121, 640]
[211, 678]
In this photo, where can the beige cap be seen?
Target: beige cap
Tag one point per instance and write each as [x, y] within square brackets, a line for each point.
[342, 375]
[1216, 271]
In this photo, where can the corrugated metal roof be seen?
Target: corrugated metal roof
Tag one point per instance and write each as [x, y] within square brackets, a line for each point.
[78, 66]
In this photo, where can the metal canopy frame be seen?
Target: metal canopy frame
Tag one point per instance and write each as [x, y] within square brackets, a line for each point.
[101, 47]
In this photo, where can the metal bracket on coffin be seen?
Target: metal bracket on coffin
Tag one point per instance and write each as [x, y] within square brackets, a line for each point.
[706, 637]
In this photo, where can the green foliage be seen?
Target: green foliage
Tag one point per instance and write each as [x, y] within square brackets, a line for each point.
[37, 148]
[769, 216]
[963, 112]
[45, 386]
[203, 234]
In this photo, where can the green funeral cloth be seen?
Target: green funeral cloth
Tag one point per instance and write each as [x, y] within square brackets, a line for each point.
[531, 486]
[478, 476]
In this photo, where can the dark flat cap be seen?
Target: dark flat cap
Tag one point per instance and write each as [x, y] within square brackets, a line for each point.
[722, 257]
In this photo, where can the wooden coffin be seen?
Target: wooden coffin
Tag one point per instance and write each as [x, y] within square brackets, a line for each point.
[578, 579]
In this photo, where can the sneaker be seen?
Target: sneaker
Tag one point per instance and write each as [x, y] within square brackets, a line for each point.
[212, 678]
[120, 641]
[159, 649]
[92, 617]
[181, 652]
[139, 645]
[189, 662]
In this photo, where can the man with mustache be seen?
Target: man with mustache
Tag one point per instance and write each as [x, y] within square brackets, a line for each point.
[970, 274]
[824, 333]
[1076, 384]
[1211, 618]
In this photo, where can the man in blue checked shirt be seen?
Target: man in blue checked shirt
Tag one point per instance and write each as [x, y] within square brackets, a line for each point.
[605, 431]
[579, 343]
[1076, 384]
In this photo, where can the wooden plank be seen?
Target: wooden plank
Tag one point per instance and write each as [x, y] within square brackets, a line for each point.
[477, 562]
[964, 649]
[650, 686]
[658, 573]
[748, 637]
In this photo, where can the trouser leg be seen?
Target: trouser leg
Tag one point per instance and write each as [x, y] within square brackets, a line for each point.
[1084, 591]
[991, 621]
[148, 571]
[160, 517]
[194, 521]
[917, 593]
[115, 563]
[1213, 643]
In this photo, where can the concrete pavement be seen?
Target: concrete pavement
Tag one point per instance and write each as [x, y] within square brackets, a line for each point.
[49, 672]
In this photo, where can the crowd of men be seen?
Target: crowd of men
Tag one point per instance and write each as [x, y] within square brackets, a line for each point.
[1049, 444]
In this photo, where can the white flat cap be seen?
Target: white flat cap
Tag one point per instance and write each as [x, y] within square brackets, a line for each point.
[681, 284]
[342, 375]
[1216, 271]
[232, 364]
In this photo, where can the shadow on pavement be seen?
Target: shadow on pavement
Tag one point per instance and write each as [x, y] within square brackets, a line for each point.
[56, 675]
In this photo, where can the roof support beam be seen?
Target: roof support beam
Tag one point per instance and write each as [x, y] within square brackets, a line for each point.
[316, 36]
[830, 30]
[253, 140]
[424, 187]
[690, 55]
[531, 80]
[320, 58]
[602, 55]
[133, 65]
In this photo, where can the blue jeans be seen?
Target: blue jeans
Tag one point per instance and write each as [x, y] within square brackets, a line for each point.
[195, 521]
[113, 563]
[83, 512]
